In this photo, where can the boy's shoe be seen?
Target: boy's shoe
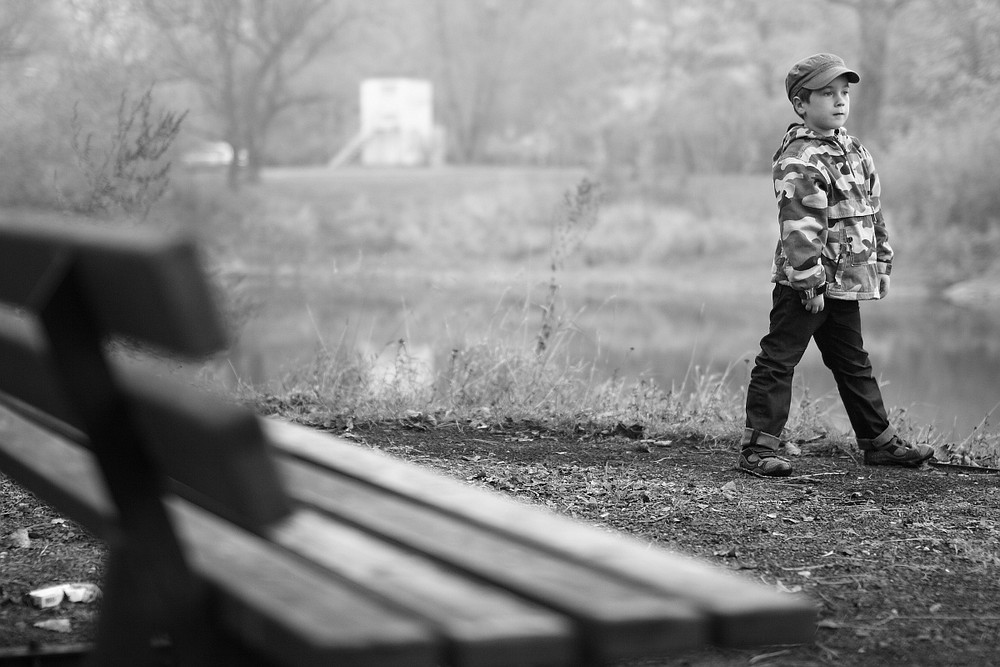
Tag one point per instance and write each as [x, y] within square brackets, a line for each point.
[898, 452]
[763, 463]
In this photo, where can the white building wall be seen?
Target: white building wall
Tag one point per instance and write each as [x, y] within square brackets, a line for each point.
[397, 122]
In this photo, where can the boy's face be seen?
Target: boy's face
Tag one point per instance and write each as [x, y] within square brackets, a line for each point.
[827, 108]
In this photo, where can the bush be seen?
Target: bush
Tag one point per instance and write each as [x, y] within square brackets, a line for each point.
[940, 187]
[945, 176]
[127, 171]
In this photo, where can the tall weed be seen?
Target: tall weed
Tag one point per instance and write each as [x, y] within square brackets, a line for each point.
[127, 172]
[568, 232]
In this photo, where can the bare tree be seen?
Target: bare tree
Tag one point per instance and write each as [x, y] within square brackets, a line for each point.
[244, 56]
[474, 42]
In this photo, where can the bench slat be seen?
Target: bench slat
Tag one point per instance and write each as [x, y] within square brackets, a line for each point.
[141, 286]
[280, 606]
[26, 369]
[289, 611]
[617, 620]
[484, 626]
[215, 449]
[46, 465]
[743, 612]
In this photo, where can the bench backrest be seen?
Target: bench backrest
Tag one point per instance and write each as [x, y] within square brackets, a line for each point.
[70, 293]
[72, 300]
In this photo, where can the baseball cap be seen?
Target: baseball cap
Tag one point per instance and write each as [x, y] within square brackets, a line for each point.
[816, 72]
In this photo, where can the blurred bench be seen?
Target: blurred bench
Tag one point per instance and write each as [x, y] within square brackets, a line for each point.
[255, 542]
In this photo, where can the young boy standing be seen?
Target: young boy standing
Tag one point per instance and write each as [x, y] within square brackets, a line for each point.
[833, 252]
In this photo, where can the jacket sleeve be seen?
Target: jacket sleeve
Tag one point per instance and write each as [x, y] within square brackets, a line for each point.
[883, 251]
[800, 188]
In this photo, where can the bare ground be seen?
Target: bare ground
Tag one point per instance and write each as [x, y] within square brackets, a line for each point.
[904, 565]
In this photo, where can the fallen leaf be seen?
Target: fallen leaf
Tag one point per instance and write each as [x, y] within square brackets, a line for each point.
[788, 589]
[791, 449]
[764, 657]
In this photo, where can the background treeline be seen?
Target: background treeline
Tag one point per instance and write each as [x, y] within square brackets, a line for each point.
[644, 90]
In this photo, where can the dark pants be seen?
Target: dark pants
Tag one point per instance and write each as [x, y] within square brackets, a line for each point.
[837, 332]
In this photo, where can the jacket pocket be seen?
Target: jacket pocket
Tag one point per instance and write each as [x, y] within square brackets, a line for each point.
[859, 241]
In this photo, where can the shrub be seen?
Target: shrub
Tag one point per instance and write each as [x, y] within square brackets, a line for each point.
[128, 171]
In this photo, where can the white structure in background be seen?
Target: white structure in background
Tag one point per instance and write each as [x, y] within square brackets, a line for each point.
[397, 125]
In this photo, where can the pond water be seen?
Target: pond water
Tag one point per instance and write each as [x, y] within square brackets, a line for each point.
[938, 362]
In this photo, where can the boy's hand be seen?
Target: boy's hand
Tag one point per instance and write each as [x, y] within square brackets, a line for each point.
[815, 304]
[883, 285]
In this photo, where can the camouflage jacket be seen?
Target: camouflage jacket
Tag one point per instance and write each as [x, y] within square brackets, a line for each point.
[832, 234]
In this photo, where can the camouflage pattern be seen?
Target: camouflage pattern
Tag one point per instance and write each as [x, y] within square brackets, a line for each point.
[829, 216]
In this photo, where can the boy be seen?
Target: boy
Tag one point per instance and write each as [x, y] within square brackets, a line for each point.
[833, 252]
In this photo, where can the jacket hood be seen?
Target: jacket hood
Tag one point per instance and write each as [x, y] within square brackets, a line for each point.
[797, 132]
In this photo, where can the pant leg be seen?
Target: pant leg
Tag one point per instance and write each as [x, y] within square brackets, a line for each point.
[769, 395]
[843, 349]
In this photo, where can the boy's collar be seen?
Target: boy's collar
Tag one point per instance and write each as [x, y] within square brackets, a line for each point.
[802, 130]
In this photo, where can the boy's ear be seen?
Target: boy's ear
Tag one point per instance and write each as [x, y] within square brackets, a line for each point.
[798, 105]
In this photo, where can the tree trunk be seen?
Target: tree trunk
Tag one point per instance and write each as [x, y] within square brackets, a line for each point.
[233, 172]
[874, 19]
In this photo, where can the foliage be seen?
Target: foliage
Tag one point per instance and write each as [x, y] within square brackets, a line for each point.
[642, 89]
[946, 181]
[940, 189]
[129, 173]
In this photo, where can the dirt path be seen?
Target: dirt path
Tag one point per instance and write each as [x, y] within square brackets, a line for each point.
[904, 565]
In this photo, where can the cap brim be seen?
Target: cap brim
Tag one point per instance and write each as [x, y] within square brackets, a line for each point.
[825, 78]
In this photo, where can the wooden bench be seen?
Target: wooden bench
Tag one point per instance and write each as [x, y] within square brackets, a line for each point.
[251, 541]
